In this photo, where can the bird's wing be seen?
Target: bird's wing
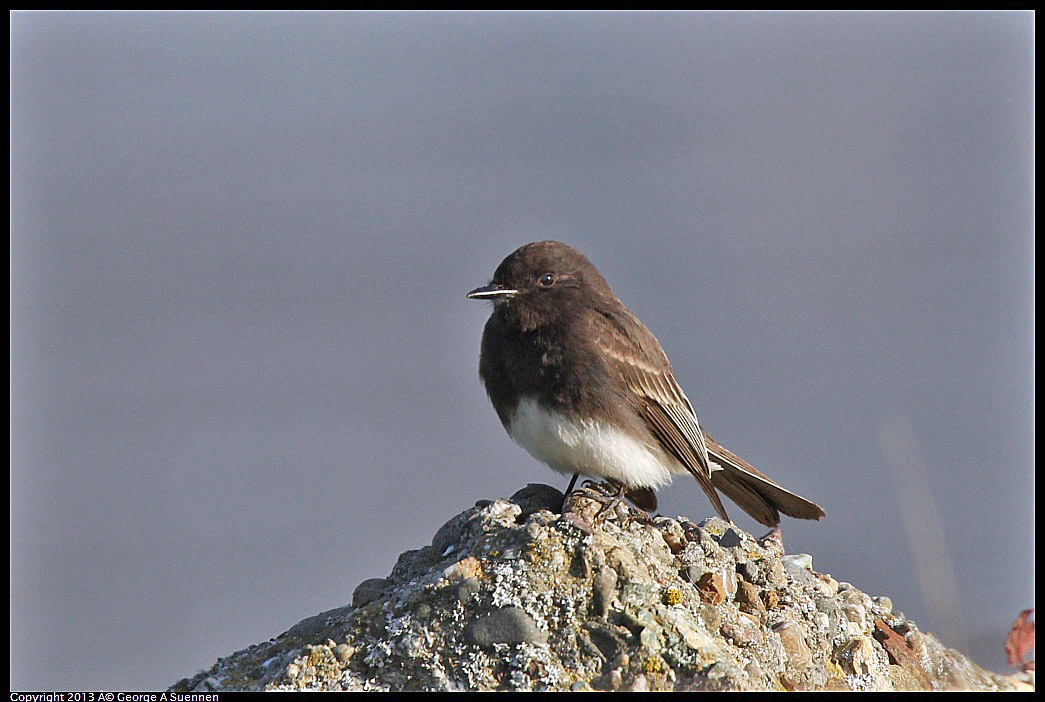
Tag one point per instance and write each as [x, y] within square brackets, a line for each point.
[656, 395]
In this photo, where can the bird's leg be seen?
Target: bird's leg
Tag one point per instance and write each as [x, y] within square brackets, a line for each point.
[569, 489]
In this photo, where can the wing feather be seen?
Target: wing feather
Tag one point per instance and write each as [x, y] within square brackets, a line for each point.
[656, 395]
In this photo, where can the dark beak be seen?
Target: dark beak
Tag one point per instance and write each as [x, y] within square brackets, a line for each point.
[491, 292]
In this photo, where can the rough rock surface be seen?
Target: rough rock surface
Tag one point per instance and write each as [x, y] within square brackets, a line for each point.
[512, 595]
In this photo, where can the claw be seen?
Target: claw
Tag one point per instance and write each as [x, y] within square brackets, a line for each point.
[611, 495]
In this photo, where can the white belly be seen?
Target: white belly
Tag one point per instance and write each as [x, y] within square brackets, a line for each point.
[591, 448]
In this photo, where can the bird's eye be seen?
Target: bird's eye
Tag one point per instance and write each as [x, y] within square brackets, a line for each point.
[546, 280]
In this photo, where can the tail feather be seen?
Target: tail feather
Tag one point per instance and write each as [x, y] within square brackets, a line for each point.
[644, 498]
[755, 493]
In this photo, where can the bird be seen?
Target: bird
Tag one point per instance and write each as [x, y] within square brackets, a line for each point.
[580, 383]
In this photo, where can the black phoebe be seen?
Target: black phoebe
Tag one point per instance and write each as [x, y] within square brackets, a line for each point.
[584, 386]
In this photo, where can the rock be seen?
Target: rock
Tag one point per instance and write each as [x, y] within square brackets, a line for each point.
[368, 591]
[827, 584]
[468, 589]
[537, 496]
[799, 569]
[792, 637]
[343, 653]
[694, 573]
[712, 588]
[748, 600]
[854, 613]
[610, 641]
[310, 628]
[857, 656]
[513, 595]
[603, 590]
[672, 532]
[639, 684]
[730, 538]
[508, 625]
[465, 569]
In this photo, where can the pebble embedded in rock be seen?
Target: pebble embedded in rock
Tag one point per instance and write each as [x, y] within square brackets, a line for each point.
[611, 641]
[307, 628]
[751, 572]
[639, 684]
[711, 588]
[883, 604]
[754, 672]
[537, 496]
[830, 585]
[730, 539]
[468, 567]
[748, 600]
[450, 533]
[343, 652]
[798, 569]
[368, 591]
[693, 573]
[672, 533]
[793, 639]
[916, 642]
[857, 656]
[506, 625]
[730, 581]
[823, 622]
[775, 575]
[854, 613]
[604, 588]
[579, 522]
[468, 589]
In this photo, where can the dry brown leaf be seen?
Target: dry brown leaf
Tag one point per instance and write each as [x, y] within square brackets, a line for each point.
[1020, 641]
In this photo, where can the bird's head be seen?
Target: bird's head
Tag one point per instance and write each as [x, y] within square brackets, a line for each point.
[543, 275]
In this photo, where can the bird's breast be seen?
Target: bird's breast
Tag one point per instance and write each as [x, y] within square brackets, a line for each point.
[590, 447]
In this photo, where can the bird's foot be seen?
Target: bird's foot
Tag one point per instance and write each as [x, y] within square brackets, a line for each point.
[611, 496]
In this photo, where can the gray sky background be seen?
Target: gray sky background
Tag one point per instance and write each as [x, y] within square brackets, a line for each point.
[244, 372]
